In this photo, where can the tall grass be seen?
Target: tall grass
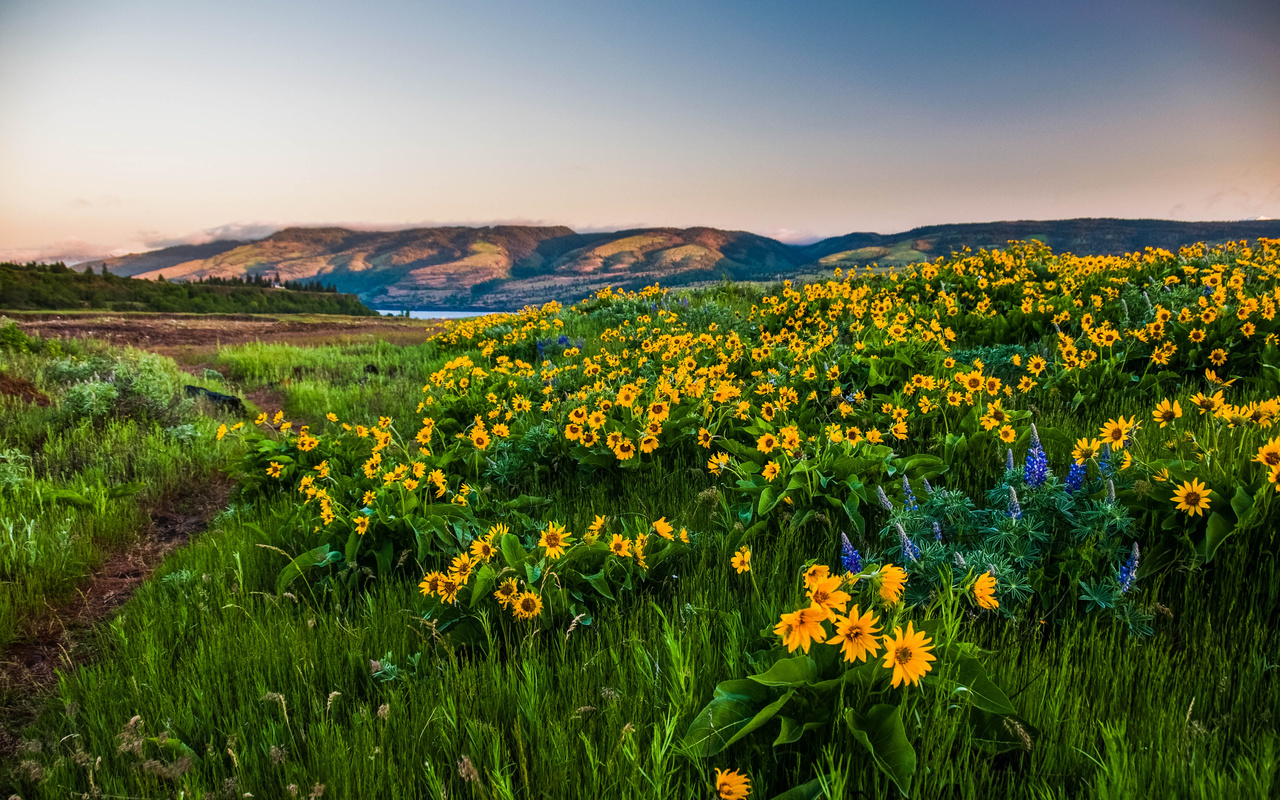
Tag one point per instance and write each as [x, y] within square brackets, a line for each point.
[211, 684]
[270, 692]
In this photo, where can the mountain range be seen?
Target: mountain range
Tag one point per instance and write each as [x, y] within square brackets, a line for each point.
[507, 266]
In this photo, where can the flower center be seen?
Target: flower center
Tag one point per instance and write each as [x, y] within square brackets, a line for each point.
[1191, 498]
[902, 655]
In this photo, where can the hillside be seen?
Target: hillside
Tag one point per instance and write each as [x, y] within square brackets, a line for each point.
[57, 287]
[508, 266]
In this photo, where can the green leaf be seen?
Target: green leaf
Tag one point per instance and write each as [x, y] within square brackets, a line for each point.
[485, 579]
[1242, 503]
[1216, 532]
[793, 729]
[881, 731]
[601, 584]
[512, 552]
[321, 556]
[999, 733]
[69, 497]
[735, 703]
[795, 671]
[762, 716]
[973, 682]
[810, 790]
[125, 490]
[767, 500]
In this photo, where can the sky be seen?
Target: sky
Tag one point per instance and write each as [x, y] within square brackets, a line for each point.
[127, 126]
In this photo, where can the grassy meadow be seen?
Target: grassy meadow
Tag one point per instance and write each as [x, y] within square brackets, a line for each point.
[1001, 525]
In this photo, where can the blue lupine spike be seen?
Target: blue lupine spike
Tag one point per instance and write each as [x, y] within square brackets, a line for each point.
[909, 497]
[883, 498]
[909, 550]
[937, 531]
[1075, 478]
[1008, 463]
[928, 489]
[849, 557]
[1037, 465]
[1129, 570]
[1015, 510]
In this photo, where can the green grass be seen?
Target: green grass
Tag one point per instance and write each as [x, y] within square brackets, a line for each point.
[210, 656]
[78, 488]
[209, 683]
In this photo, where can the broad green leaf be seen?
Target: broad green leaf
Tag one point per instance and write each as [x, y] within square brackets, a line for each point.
[810, 790]
[973, 682]
[793, 729]
[735, 703]
[319, 557]
[1216, 532]
[512, 552]
[601, 584]
[881, 731]
[767, 500]
[789, 672]
[762, 716]
[1242, 503]
[485, 579]
[1000, 733]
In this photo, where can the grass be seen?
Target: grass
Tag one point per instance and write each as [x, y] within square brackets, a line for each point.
[211, 683]
[271, 691]
[78, 488]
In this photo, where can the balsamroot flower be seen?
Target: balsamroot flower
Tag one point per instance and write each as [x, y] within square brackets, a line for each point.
[984, 591]
[732, 785]
[908, 655]
[856, 635]
[801, 628]
[893, 580]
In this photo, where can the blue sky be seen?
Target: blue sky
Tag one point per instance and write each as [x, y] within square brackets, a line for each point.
[127, 125]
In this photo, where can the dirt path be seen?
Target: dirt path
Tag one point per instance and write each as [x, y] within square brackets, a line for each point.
[59, 639]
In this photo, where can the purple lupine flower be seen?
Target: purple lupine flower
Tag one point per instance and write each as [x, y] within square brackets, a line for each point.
[1075, 478]
[883, 498]
[909, 497]
[927, 488]
[849, 557]
[1129, 570]
[1037, 467]
[1104, 461]
[1008, 462]
[1015, 510]
[909, 550]
[937, 531]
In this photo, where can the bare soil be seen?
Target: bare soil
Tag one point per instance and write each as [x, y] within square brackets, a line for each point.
[166, 333]
[59, 638]
[22, 389]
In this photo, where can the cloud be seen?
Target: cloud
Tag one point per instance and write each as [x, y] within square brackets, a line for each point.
[790, 236]
[234, 231]
[69, 251]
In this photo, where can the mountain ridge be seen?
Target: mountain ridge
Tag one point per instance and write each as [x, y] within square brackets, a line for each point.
[507, 266]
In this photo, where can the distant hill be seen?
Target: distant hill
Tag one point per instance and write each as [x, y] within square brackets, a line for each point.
[510, 265]
[56, 287]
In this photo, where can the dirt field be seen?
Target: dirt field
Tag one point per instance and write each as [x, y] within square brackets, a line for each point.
[189, 336]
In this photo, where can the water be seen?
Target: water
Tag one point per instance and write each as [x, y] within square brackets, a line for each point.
[440, 314]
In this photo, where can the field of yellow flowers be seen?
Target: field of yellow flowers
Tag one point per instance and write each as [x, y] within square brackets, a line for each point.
[998, 525]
